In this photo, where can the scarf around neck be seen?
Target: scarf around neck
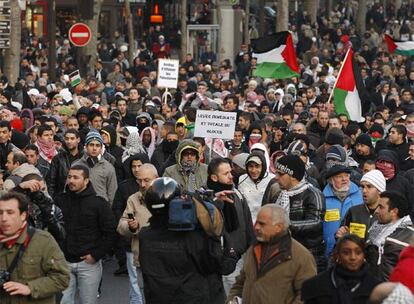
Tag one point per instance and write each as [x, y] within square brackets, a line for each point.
[284, 197]
[46, 148]
[9, 241]
[347, 282]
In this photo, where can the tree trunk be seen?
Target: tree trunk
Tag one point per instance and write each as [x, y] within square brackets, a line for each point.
[51, 38]
[398, 4]
[328, 8]
[12, 54]
[282, 15]
[311, 7]
[183, 17]
[131, 36]
[89, 54]
[246, 23]
[361, 17]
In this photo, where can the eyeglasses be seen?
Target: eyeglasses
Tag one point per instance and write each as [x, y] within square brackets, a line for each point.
[189, 153]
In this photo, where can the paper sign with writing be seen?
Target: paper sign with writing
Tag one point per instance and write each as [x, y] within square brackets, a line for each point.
[215, 124]
[167, 73]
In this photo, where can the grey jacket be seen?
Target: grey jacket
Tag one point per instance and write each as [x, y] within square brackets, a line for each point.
[102, 176]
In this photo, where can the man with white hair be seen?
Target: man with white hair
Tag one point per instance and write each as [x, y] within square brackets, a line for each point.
[281, 263]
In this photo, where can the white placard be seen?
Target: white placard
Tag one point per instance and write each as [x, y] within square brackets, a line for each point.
[215, 124]
[168, 73]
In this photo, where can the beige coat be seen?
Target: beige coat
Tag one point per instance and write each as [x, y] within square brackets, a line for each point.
[135, 205]
[281, 283]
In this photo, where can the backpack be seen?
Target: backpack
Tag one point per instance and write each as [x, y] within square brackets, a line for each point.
[186, 214]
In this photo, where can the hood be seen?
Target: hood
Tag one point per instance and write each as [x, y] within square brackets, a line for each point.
[262, 147]
[25, 169]
[263, 159]
[110, 131]
[390, 156]
[183, 145]
[82, 110]
[143, 157]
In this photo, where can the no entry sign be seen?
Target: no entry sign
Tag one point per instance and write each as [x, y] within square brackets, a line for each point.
[80, 34]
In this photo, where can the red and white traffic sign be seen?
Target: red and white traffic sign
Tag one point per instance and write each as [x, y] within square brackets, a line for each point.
[80, 34]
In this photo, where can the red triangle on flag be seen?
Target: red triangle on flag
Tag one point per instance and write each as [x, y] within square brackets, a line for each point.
[289, 54]
[390, 43]
[346, 78]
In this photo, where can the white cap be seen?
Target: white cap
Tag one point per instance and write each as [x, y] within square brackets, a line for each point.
[34, 92]
[375, 178]
[123, 48]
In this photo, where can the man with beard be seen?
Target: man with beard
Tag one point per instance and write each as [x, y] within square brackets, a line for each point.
[341, 194]
[304, 204]
[90, 234]
[6, 145]
[364, 150]
[188, 171]
[317, 128]
[59, 167]
[165, 151]
[238, 232]
[359, 218]
[390, 234]
[127, 118]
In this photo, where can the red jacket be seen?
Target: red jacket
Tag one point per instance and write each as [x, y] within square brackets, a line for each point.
[404, 270]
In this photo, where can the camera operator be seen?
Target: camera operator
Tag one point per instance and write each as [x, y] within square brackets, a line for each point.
[43, 213]
[32, 267]
[178, 266]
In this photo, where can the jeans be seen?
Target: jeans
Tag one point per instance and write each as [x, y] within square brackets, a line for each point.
[229, 280]
[84, 278]
[135, 296]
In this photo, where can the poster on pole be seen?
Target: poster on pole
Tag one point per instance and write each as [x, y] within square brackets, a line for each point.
[215, 124]
[168, 73]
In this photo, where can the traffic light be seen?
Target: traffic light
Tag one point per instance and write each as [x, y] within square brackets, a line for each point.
[156, 17]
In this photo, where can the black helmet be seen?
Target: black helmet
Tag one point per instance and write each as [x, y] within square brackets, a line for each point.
[160, 193]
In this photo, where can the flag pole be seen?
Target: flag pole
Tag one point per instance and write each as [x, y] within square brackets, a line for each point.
[339, 74]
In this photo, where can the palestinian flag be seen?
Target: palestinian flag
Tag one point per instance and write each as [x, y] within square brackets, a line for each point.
[276, 56]
[405, 48]
[349, 89]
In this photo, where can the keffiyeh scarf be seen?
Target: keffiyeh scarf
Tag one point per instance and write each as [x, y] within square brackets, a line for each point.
[284, 197]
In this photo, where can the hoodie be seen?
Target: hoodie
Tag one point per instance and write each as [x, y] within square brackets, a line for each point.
[176, 171]
[252, 190]
[115, 150]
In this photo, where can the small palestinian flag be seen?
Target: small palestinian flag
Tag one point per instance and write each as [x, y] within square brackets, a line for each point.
[405, 48]
[348, 89]
[276, 57]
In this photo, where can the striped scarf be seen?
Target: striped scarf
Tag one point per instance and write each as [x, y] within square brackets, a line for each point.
[284, 197]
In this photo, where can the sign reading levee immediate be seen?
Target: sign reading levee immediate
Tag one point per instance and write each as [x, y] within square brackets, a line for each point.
[168, 73]
[215, 124]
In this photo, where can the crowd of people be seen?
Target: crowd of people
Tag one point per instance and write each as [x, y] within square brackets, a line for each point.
[314, 207]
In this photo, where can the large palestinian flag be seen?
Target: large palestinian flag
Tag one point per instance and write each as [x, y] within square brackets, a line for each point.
[276, 57]
[348, 89]
[399, 47]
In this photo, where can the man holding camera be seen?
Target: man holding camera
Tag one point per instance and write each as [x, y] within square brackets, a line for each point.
[32, 267]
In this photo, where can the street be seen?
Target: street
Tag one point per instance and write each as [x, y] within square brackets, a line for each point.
[114, 289]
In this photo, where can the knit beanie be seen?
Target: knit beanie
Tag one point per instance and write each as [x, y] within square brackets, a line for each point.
[364, 139]
[291, 165]
[93, 135]
[334, 136]
[65, 110]
[336, 153]
[296, 147]
[240, 160]
[375, 178]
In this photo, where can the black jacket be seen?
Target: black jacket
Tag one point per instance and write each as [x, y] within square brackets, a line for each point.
[177, 267]
[58, 171]
[359, 214]
[316, 133]
[321, 289]
[393, 246]
[115, 151]
[89, 224]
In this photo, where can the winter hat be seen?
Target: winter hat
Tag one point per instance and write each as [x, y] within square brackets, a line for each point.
[375, 178]
[254, 159]
[376, 131]
[334, 136]
[336, 153]
[93, 135]
[65, 110]
[291, 165]
[240, 160]
[296, 147]
[364, 139]
[336, 169]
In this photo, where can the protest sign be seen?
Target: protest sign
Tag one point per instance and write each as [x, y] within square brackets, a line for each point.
[215, 124]
[167, 73]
